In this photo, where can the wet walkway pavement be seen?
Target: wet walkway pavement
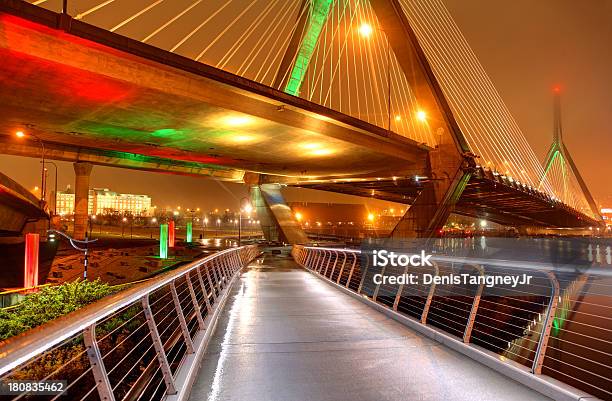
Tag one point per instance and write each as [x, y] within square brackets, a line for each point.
[286, 335]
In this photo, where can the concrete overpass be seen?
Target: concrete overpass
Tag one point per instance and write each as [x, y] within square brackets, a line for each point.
[97, 97]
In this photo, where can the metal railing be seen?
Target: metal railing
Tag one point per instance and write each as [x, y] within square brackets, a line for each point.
[560, 325]
[143, 343]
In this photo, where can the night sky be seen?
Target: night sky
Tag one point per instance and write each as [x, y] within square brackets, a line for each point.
[526, 46]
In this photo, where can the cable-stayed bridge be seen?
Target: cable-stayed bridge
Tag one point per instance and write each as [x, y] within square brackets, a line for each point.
[376, 98]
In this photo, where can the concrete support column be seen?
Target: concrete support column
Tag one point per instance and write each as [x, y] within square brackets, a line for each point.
[82, 172]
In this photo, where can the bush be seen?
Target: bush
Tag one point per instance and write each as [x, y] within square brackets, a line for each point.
[50, 303]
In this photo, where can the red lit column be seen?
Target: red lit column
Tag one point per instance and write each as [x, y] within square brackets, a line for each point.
[171, 233]
[82, 172]
[30, 274]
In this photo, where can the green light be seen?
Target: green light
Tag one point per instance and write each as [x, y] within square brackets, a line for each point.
[555, 327]
[189, 231]
[165, 132]
[163, 241]
[319, 10]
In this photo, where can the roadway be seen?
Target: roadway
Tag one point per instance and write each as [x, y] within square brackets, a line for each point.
[286, 335]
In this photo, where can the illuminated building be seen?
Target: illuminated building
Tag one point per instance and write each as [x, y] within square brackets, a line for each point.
[606, 213]
[105, 201]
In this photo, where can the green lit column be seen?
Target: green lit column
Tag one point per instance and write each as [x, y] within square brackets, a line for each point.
[163, 241]
[189, 231]
[319, 10]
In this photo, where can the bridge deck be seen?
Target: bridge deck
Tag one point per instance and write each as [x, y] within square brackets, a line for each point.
[286, 335]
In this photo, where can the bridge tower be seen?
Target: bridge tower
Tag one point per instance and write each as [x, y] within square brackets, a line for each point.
[559, 153]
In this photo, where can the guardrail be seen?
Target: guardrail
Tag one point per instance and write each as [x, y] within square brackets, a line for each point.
[559, 327]
[143, 343]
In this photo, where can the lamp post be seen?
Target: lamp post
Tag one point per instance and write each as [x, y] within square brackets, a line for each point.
[247, 208]
[55, 188]
[75, 244]
[21, 134]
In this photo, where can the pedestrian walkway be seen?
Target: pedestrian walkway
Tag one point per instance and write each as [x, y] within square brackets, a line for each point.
[286, 335]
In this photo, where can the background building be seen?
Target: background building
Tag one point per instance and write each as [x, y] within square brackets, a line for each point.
[105, 201]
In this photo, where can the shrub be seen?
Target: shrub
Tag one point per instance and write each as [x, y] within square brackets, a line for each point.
[50, 303]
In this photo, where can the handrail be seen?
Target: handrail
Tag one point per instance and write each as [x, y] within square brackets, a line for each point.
[516, 327]
[25, 346]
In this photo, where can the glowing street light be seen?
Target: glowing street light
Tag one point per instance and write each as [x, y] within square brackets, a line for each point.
[370, 217]
[298, 216]
[20, 135]
[421, 115]
[365, 30]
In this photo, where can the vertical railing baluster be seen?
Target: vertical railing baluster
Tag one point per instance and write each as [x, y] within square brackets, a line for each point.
[363, 273]
[216, 276]
[430, 295]
[181, 316]
[467, 334]
[538, 360]
[201, 280]
[375, 294]
[308, 257]
[105, 391]
[400, 289]
[342, 267]
[210, 282]
[158, 346]
[194, 300]
[331, 273]
[320, 267]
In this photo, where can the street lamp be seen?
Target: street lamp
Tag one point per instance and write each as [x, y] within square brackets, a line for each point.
[55, 188]
[75, 244]
[21, 134]
[248, 209]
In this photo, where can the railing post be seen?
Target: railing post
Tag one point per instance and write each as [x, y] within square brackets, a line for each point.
[363, 273]
[308, 257]
[331, 273]
[238, 261]
[208, 307]
[159, 347]
[320, 268]
[400, 289]
[318, 261]
[219, 271]
[224, 268]
[194, 299]
[216, 276]
[212, 285]
[430, 295]
[375, 294]
[467, 334]
[327, 264]
[105, 391]
[181, 316]
[342, 267]
[538, 360]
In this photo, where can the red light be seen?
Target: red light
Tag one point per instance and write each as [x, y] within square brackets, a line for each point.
[30, 274]
[171, 234]
[557, 89]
